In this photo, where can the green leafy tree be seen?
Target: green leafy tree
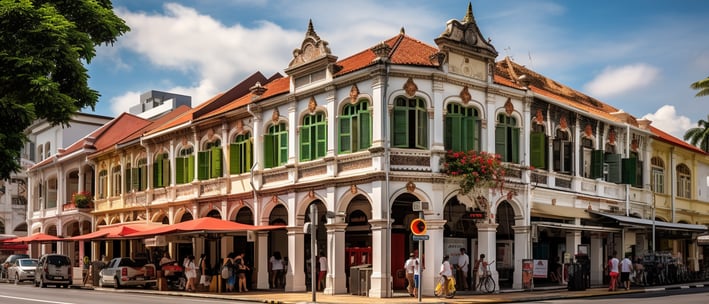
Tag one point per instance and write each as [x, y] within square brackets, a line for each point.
[699, 136]
[702, 86]
[44, 45]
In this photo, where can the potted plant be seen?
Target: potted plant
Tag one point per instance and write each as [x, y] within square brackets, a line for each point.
[82, 199]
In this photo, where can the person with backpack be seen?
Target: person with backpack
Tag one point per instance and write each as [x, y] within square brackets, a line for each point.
[227, 271]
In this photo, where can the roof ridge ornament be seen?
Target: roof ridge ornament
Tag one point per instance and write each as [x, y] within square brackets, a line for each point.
[469, 14]
[465, 36]
[311, 49]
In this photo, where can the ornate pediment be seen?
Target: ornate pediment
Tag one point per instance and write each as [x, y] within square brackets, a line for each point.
[465, 37]
[311, 49]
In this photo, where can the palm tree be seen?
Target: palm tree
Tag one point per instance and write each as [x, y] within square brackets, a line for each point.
[702, 86]
[700, 134]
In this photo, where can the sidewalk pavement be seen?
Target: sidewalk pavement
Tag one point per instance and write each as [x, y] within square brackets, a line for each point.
[506, 296]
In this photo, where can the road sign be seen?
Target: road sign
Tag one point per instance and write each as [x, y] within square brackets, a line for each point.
[418, 226]
[420, 237]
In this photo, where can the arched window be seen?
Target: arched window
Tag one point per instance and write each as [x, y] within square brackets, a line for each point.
[209, 161]
[563, 148]
[410, 123]
[463, 126]
[102, 184]
[161, 171]
[142, 175]
[684, 181]
[240, 154]
[507, 138]
[184, 165]
[116, 181]
[313, 136]
[47, 150]
[355, 127]
[275, 146]
[657, 182]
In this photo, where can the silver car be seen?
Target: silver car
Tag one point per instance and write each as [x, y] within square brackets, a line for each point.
[22, 270]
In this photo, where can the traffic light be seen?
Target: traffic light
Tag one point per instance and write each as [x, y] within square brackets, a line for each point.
[418, 227]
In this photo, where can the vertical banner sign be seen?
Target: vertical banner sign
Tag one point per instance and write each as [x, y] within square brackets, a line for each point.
[527, 273]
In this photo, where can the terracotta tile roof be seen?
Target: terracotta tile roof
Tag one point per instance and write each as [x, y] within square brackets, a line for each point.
[106, 136]
[277, 86]
[405, 50]
[236, 92]
[507, 72]
[661, 135]
[155, 123]
[185, 117]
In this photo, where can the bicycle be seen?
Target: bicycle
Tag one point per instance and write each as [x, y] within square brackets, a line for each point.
[439, 291]
[487, 283]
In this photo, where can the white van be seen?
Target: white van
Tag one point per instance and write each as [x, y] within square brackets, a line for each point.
[53, 269]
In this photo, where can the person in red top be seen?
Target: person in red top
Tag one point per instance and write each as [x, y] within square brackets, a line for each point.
[614, 273]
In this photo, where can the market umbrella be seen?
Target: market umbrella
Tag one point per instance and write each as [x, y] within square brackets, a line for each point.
[114, 232]
[203, 225]
[36, 238]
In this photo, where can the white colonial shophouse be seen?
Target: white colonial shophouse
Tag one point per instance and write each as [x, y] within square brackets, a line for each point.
[363, 138]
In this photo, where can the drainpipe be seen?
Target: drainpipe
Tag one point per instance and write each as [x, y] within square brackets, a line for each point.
[385, 129]
[627, 186]
[673, 184]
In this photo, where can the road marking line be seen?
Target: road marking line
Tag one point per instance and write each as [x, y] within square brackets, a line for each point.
[34, 300]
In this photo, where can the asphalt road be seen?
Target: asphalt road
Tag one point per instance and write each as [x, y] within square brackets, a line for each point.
[26, 293]
[683, 296]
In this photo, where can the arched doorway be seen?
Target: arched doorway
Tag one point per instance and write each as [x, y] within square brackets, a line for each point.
[243, 244]
[505, 244]
[401, 238]
[320, 240]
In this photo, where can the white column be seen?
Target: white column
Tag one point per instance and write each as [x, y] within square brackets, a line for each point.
[262, 260]
[295, 276]
[433, 253]
[380, 279]
[521, 252]
[487, 240]
[336, 281]
[597, 259]
[573, 239]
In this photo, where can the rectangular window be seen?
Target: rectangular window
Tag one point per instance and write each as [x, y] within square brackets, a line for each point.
[161, 171]
[658, 180]
[537, 149]
[116, 182]
[614, 168]
[410, 123]
[240, 158]
[184, 169]
[684, 186]
[563, 156]
[275, 146]
[102, 184]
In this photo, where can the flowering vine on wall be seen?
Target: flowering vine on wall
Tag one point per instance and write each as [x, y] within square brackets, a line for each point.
[82, 199]
[475, 170]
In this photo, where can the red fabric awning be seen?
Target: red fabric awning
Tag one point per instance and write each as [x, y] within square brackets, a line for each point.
[36, 238]
[115, 232]
[204, 225]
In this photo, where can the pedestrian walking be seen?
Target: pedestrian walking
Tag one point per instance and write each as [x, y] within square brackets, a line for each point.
[409, 267]
[626, 266]
[462, 268]
[613, 264]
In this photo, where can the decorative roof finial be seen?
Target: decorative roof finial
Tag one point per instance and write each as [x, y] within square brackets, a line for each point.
[402, 31]
[469, 15]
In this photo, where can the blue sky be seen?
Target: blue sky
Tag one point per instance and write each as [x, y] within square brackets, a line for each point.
[637, 55]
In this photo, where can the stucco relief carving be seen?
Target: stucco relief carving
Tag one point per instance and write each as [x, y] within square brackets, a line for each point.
[312, 105]
[410, 186]
[354, 92]
[509, 107]
[275, 116]
[410, 87]
[465, 96]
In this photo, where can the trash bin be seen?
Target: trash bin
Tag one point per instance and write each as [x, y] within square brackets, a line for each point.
[365, 277]
[576, 277]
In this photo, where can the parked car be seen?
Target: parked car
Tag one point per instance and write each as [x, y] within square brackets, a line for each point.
[22, 270]
[6, 265]
[53, 269]
[125, 271]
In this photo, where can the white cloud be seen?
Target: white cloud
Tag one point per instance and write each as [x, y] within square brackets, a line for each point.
[615, 81]
[122, 103]
[202, 48]
[666, 119]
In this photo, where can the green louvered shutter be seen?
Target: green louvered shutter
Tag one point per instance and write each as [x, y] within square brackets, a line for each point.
[452, 136]
[597, 164]
[321, 140]
[269, 152]
[537, 143]
[614, 168]
[421, 128]
[234, 159]
[180, 176]
[157, 172]
[515, 145]
[468, 136]
[165, 172]
[135, 179]
[501, 141]
[345, 135]
[629, 170]
[203, 165]
[400, 130]
[247, 157]
[282, 148]
[190, 169]
[129, 184]
[365, 130]
[305, 144]
[216, 168]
